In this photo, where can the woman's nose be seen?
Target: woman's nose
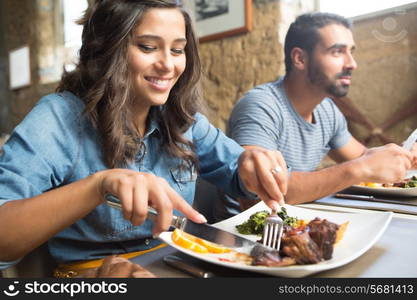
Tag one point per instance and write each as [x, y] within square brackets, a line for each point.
[165, 62]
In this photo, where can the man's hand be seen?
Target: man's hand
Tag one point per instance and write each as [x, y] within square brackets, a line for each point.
[414, 153]
[264, 172]
[385, 164]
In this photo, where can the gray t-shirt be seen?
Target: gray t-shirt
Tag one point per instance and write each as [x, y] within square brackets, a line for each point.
[265, 117]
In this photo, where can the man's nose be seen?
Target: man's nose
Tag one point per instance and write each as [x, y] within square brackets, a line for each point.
[350, 62]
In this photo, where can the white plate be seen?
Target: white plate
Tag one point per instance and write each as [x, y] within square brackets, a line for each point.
[400, 192]
[385, 191]
[362, 232]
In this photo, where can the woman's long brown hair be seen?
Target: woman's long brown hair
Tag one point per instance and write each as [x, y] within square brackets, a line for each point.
[103, 81]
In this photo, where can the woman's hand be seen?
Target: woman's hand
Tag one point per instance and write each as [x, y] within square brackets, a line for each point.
[116, 267]
[136, 191]
[264, 172]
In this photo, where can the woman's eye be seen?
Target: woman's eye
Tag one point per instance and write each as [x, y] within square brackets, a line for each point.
[146, 48]
[178, 51]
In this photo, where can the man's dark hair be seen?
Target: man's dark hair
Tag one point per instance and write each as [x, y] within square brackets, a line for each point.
[303, 32]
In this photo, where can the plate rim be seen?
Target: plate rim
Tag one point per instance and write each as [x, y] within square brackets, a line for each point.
[401, 192]
[304, 269]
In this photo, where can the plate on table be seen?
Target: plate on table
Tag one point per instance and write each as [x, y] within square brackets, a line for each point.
[384, 191]
[387, 191]
[361, 234]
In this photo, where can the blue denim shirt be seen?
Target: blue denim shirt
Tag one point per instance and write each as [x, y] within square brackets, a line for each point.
[56, 144]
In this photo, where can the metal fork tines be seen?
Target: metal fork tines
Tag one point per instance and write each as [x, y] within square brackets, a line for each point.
[273, 231]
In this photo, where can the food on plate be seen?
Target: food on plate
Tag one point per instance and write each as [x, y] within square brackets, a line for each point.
[370, 184]
[202, 246]
[406, 183]
[255, 223]
[196, 244]
[341, 232]
[303, 242]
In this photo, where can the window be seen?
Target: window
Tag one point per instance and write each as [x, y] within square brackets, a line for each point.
[355, 8]
[73, 10]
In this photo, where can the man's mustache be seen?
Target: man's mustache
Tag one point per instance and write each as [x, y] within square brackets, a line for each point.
[344, 73]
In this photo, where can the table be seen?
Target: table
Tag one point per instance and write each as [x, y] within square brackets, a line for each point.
[393, 255]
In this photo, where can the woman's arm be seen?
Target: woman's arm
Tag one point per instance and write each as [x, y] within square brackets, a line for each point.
[27, 223]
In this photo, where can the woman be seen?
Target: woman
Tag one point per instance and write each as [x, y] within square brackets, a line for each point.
[124, 122]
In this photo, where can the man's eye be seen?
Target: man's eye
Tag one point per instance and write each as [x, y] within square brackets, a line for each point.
[146, 48]
[178, 51]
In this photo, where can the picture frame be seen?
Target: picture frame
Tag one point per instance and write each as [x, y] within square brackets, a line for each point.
[19, 67]
[217, 19]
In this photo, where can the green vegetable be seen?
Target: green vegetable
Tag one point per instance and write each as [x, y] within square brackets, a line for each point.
[290, 221]
[411, 183]
[255, 223]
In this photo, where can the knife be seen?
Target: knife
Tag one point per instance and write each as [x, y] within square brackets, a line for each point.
[179, 263]
[409, 142]
[373, 199]
[201, 230]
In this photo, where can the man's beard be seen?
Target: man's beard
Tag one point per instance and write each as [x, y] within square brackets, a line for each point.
[318, 78]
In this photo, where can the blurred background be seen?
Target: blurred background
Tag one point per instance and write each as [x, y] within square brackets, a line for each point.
[39, 37]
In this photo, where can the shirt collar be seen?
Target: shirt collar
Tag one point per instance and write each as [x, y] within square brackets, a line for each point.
[153, 128]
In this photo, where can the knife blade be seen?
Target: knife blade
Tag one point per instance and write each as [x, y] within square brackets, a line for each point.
[373, 199]
[409, 142]
[201, 230]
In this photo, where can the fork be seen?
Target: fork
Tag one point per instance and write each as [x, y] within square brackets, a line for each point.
[273, 229]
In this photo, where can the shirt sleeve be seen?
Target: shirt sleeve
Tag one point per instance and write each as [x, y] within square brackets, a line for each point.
[4, 265]
[40, 152]
[341, 133]
[218, 158]
[255, 120]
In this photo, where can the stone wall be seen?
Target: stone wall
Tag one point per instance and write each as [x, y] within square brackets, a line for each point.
[25, 22]
[233, 65]
[387, 69]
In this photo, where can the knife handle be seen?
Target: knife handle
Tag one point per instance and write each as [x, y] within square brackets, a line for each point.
[354, 197]
[178, 263]
[114, 202]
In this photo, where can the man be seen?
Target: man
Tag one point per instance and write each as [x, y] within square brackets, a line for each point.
[296, 116]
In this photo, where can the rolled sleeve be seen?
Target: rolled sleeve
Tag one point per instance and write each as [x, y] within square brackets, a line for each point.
[40, 152]
[4, 265]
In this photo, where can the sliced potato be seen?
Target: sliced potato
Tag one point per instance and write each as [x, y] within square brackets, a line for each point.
[340, 232]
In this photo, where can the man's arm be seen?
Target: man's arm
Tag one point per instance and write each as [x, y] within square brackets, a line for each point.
[352, 150]
[382, 164]
[308, 186]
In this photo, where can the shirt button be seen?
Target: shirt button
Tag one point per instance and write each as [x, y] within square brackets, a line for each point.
[147, 241]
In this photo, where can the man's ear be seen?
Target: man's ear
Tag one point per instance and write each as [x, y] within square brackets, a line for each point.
[299, 58]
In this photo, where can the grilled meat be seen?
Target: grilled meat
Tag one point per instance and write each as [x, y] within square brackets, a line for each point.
[323, 233]
[298, 244]
[263, 256]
